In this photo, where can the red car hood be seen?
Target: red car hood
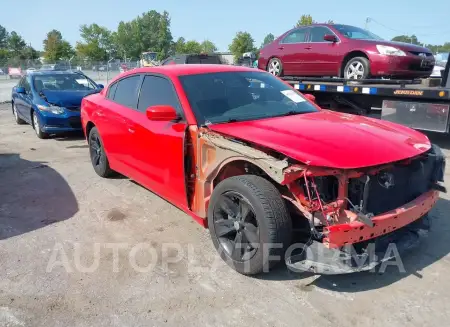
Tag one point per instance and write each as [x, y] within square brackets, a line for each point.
[331, 139]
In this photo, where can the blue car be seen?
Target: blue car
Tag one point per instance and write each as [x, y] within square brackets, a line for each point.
[50, 100]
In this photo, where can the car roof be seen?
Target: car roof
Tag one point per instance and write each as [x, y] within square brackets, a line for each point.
[189, 69]
[52, 72]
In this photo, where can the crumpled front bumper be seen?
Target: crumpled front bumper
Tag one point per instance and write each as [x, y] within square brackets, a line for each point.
[317, 258]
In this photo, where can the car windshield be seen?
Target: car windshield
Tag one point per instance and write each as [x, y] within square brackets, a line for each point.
[63, 82]
[442, 56]
[357, 33]
[239, 96]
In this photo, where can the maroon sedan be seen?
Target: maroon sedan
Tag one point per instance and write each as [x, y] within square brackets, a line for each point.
[344, 51]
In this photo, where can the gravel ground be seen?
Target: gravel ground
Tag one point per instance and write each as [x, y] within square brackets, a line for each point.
[57, 215]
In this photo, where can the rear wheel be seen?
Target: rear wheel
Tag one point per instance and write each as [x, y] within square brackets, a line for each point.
[37, 126]
[18, 120]
[249, 223]
[357, 68]
[275, 67]
[98, 156]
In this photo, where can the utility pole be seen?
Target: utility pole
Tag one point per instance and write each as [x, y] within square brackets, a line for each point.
[367, 23]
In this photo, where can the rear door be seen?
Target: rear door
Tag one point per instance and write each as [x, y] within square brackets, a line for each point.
[321, 58]
[291, 50]
[113, 123]
[158, 146]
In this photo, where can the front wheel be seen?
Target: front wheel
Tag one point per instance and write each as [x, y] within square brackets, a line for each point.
[19, 121]
[37, 126]
[357, 68]
[275, 67]
[249, 224]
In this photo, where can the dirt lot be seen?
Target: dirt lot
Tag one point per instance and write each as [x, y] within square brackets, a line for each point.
[56, 215]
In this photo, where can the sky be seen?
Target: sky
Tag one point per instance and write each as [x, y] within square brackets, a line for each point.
[219, 21]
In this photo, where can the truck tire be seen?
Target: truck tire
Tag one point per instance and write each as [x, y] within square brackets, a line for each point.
[249, 223]
[357, 68]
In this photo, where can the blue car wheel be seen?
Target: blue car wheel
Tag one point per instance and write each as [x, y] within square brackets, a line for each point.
[19, 120]
[37, 126]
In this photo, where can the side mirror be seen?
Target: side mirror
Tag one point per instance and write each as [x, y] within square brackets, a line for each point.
[20, 89]
[330, 38]
[310, 97]
[161, 113]
[100, 86]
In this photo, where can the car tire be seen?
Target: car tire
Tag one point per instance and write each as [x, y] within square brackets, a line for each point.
[36, 123]
[19, 121]
[275, 67]
[98, 156]
[249, 211]
[357, 68]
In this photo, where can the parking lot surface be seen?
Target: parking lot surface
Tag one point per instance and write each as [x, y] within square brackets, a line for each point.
[74, 247]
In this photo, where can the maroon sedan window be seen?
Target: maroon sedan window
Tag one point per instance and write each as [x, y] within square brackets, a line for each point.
[296, 36]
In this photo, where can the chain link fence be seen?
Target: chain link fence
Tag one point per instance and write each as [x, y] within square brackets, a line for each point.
[99, 71]
[11, 70]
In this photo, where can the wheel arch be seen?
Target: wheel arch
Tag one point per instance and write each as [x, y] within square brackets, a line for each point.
[349, 56]
[89, 126]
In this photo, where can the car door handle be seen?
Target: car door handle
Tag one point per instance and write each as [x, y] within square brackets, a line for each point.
[308, 48]
[131, 130]
[280, 48]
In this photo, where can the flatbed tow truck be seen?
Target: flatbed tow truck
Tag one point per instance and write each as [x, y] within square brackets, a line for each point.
[419, 104]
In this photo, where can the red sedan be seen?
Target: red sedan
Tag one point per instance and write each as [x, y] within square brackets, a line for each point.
[344, 51]
[259, 164]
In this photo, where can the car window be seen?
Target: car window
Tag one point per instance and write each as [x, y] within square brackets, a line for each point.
[157, 90]
[112, 91]
[26, 85]
[357, 33]
[317, 33]
[126, 91]
[63, 82]
[21, 82]
[296, 36]
[239, 96]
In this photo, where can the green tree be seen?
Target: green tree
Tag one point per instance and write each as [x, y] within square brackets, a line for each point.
[268, 39]
[305, 20]
[148, 32]
[242, 42]
[192, 47]
[97, 42]
[3, 37]
[179, 46]
[15, 44]
[407, 39]
[56, 48]
[208, 46]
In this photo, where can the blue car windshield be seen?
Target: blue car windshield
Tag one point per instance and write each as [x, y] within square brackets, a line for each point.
[63, 82]
[241, 95]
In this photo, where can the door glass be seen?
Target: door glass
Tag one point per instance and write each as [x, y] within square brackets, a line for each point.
[317, 33]
[26, 85]
[296, 36]
[112, 91]
[157, 91]
[126, 92]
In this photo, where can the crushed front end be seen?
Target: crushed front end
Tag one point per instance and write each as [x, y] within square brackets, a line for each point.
[354, 215]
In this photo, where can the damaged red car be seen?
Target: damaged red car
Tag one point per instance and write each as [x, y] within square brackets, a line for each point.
[263, 167]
